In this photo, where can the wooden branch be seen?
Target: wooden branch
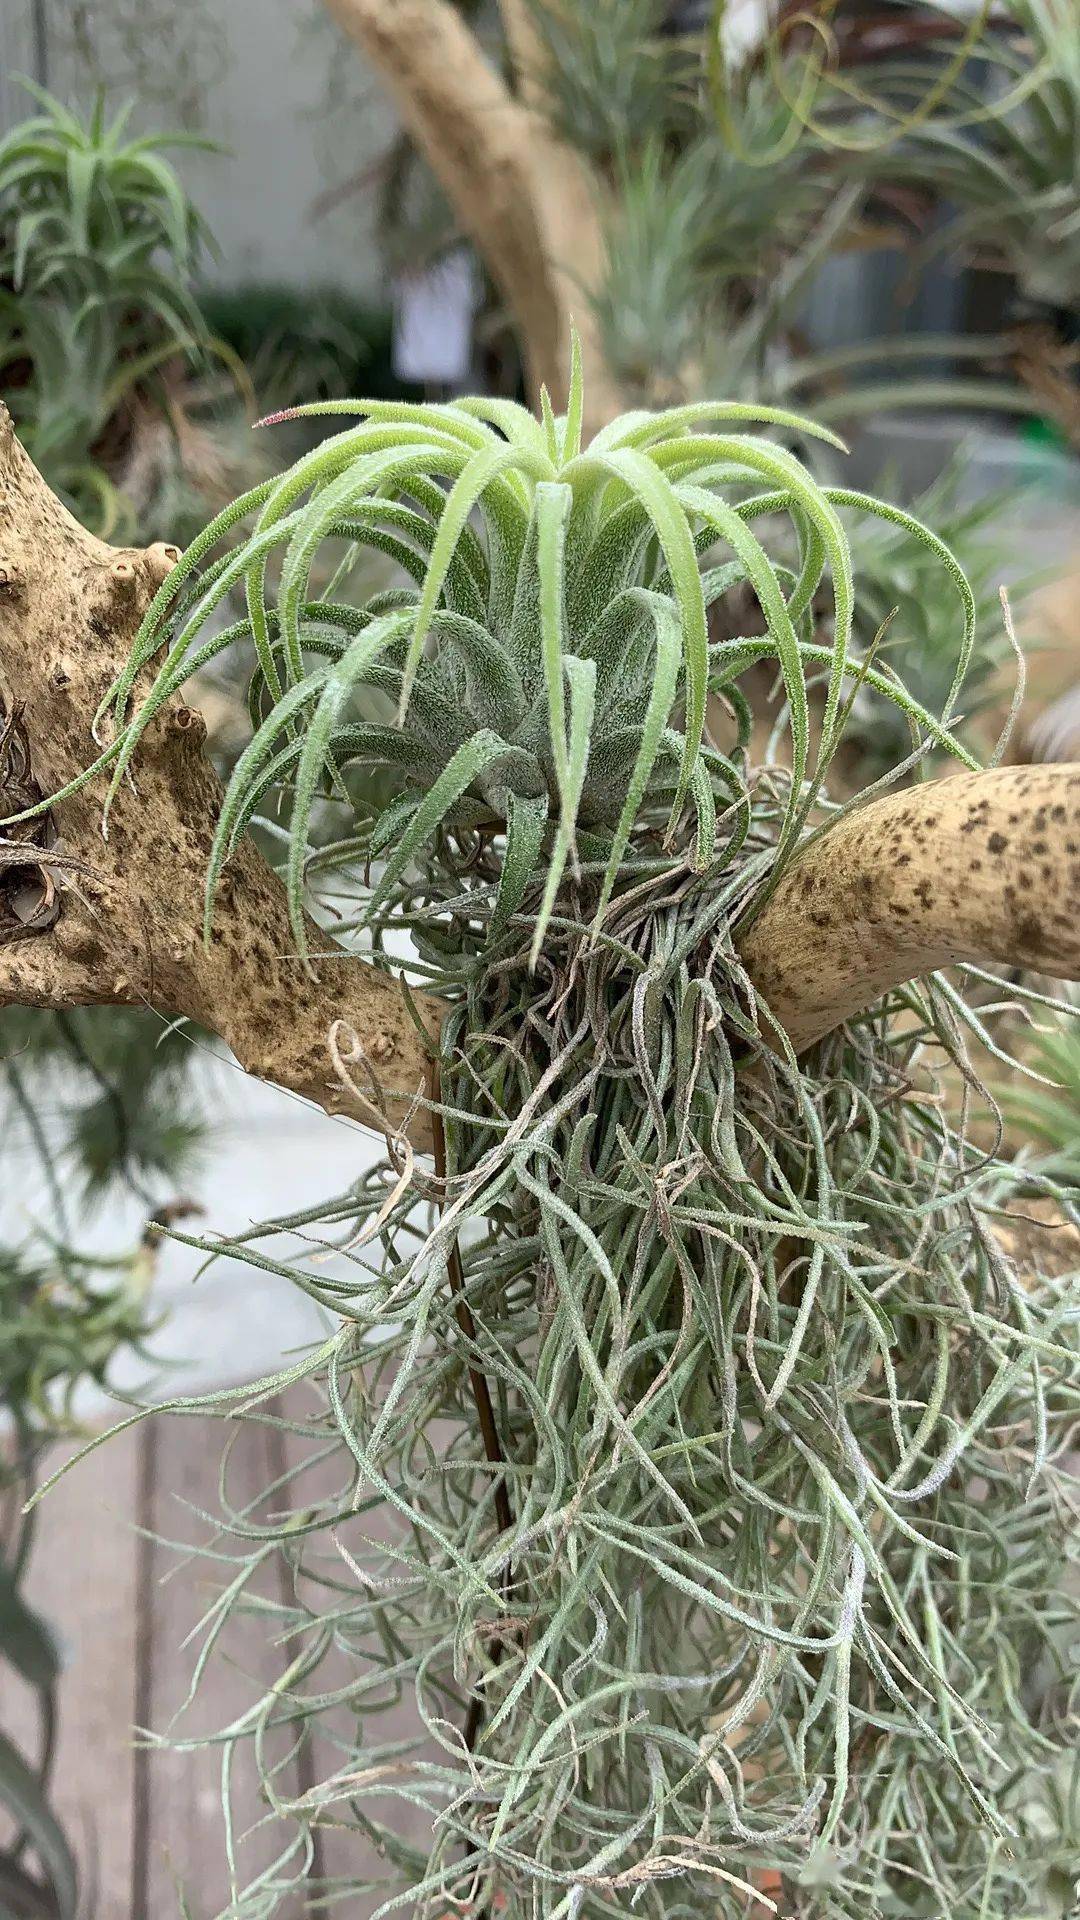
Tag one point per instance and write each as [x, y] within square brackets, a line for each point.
[128, 929]
[526, 200]
[980, 867]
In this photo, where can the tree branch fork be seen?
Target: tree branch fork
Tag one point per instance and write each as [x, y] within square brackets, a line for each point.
[976, 867]
[129, 929]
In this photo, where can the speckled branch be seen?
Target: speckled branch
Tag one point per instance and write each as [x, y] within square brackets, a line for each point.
[982, 867]
[127, 931]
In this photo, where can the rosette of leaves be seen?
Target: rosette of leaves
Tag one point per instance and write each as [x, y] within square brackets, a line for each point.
[99, 330]
[540, 685]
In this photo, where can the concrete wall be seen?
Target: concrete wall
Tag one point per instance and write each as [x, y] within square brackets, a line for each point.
[271, 80]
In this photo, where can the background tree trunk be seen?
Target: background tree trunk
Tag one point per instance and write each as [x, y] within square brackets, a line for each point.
[528, 202]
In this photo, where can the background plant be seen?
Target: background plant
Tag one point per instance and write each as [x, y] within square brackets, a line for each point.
[902, 615]
[94, 1111]
[1048, 1117]
[105, 359]
[1000, 147]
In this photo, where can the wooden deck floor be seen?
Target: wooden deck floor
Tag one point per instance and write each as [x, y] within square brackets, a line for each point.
[146, 1823]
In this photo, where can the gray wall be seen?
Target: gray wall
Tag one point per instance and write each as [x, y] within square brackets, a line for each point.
[271, 80]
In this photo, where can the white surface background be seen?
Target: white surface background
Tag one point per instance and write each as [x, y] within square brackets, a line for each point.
[267, 1153]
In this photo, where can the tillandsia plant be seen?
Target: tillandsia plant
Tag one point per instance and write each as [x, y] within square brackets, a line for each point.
[65, 1317]
[105, 360]
[694, 1462]
[996, 136]
[1047, 1118]
[902, 605]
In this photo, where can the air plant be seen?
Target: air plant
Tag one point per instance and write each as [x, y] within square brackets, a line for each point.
[705, 250]
[701, 1464]
[902, 609]
[613, 70]
[707, 257]
[98, 245]
[1047, 1117]
[530, 678]
[992, 128]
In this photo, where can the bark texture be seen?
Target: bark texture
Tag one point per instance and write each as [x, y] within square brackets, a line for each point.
[127, 926]
[981, 867]
[527, 200]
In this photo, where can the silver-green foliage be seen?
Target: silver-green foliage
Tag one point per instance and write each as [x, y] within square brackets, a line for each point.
[1001, 147]
[97, 243]
[768, 1570]
[543, 677]
[903, 615]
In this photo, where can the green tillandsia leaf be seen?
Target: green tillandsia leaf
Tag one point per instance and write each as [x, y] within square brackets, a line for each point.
[762, 577]
[432, 449]
[815, 505]
[846, 497]
[651, 429]
[249, 766]
[513, 421]
[526, 821]
[475, 479]
[642, 479]
[581, 679]
[493, 683]
[453, 421]
[475, 756]
[21, 1794]
[149, 636]
[315, 755]
[737, 655]
[25, 1640]
[575, 404]
[310, 530]
[551, 432]
[669, 641]
[552, 509]
[705, 808]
